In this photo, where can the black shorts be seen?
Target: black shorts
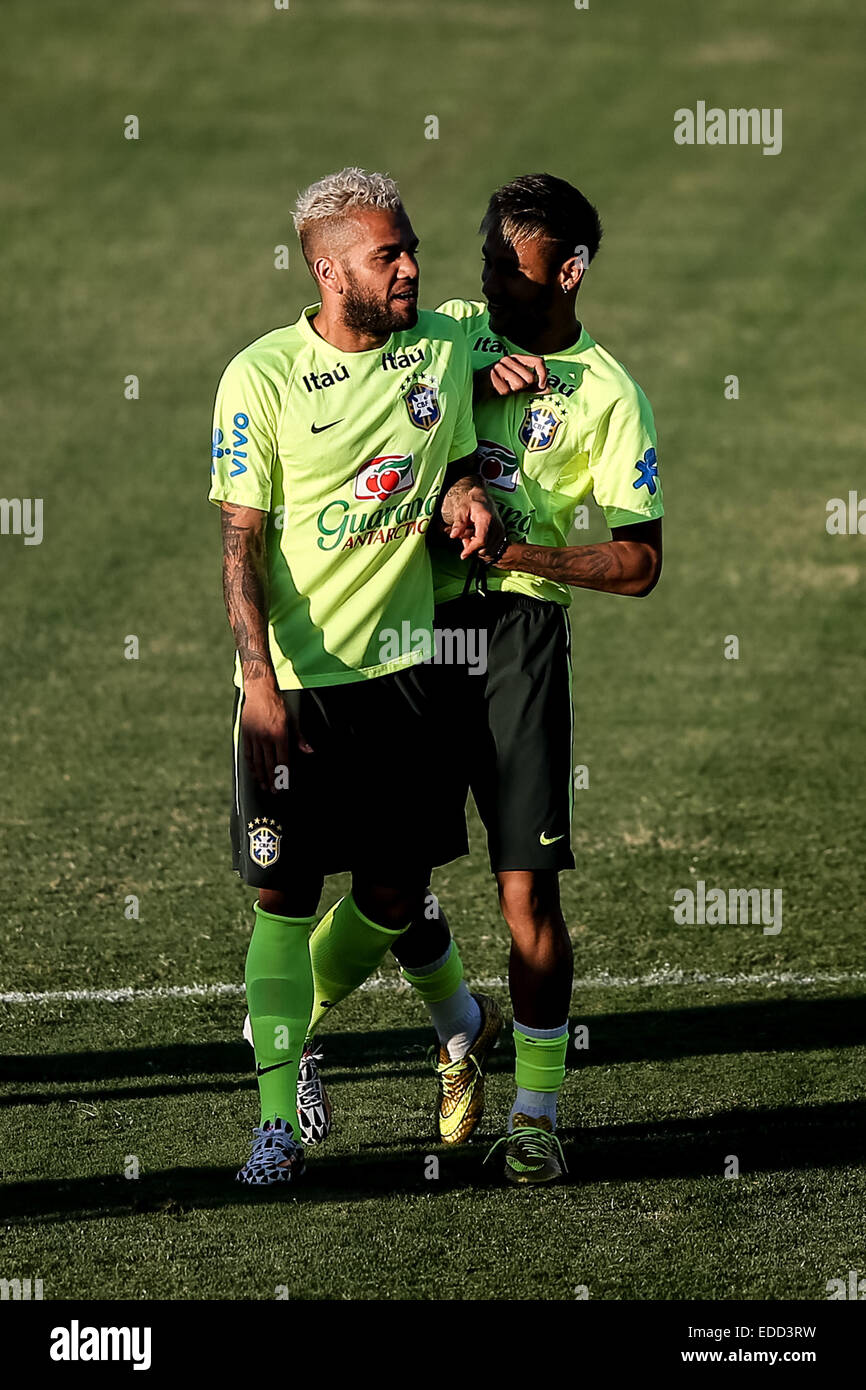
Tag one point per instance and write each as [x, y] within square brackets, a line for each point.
[371, 798]
[518, 716]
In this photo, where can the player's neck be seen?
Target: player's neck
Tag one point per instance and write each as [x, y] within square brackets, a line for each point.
[343, 338]
[553, 336]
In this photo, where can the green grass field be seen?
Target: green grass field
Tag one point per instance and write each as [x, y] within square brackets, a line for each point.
[156, 258]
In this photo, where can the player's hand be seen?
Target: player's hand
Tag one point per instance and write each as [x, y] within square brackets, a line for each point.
[518, 371]
[476, 522]
[271, 731]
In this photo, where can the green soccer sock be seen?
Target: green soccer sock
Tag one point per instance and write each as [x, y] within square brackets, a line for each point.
[540, 1060]
[454, 1012]
[345, 949]
[435, 985]
[279, 981]
[539, 1071]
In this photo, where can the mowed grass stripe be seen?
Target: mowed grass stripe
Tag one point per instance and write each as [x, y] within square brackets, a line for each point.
[653, 980]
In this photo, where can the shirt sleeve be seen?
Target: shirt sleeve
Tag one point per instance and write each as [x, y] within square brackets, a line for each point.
[244, 444]
[463, 311]
[623, 461]
[464, 441]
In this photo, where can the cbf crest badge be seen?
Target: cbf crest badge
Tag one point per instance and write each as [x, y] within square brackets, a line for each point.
[422, 403]
[264, 839]
[541, 422]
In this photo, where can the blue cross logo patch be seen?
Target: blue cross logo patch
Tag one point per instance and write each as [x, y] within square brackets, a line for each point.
[648, 469]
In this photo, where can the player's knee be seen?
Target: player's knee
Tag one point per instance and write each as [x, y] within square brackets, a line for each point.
[295, 902]
[529, 897]
[530, 906]
[392, 905]
[544, 946]
[425, 941]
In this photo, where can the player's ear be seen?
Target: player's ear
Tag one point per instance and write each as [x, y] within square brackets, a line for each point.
[571, 272]
[327, 274]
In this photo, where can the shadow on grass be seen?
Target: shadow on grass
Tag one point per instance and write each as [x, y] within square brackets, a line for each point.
[791, 1138]
[777, 1025]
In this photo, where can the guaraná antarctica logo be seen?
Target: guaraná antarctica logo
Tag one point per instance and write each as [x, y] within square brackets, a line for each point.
[499, 465]
[383, 477]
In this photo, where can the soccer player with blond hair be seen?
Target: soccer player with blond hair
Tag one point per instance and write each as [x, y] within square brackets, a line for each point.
[338, 441]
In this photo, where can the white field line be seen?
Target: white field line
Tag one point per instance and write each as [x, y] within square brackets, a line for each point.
[603, 980]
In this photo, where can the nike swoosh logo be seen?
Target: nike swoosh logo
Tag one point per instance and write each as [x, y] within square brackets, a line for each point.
[260, 1071]
[319, 429]
[550, 839]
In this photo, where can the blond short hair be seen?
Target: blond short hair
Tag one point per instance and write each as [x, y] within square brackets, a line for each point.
[325, 207]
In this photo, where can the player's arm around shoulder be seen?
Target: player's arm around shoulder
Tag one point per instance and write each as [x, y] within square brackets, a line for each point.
[512, 372]
[465, 510]
[624, 468]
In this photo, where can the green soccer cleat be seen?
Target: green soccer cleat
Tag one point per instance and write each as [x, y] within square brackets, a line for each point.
[533, 1154]
[461, 1083]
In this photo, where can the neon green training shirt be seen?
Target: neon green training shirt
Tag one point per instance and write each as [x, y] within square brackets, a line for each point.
[346, 452]
[541, 455]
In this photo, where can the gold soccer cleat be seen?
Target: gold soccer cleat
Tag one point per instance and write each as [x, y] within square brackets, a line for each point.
[461, 1083]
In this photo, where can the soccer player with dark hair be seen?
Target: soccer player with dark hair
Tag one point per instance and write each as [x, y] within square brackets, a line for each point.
[337, 442]
[557, 419]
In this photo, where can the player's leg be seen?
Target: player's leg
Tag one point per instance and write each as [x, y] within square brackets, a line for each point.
[347, 945]
[430, 962]
[389, 840]
[526, 808]
[467, 1024]
[395, 834]
[313, 1111]
[279, 987]
[352, 939]
[271, 854]
[540, 977]
[426, 952]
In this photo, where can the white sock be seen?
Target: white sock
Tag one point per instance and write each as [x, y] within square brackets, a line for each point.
[535, 1103]
[457, 1019]
[532, 1104]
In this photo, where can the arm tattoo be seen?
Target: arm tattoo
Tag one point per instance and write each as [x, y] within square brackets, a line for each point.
[245, 592]
[459, 490]
[615, 567]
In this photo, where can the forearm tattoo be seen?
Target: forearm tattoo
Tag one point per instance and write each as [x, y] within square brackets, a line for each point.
[245, 592]
[612, 566]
